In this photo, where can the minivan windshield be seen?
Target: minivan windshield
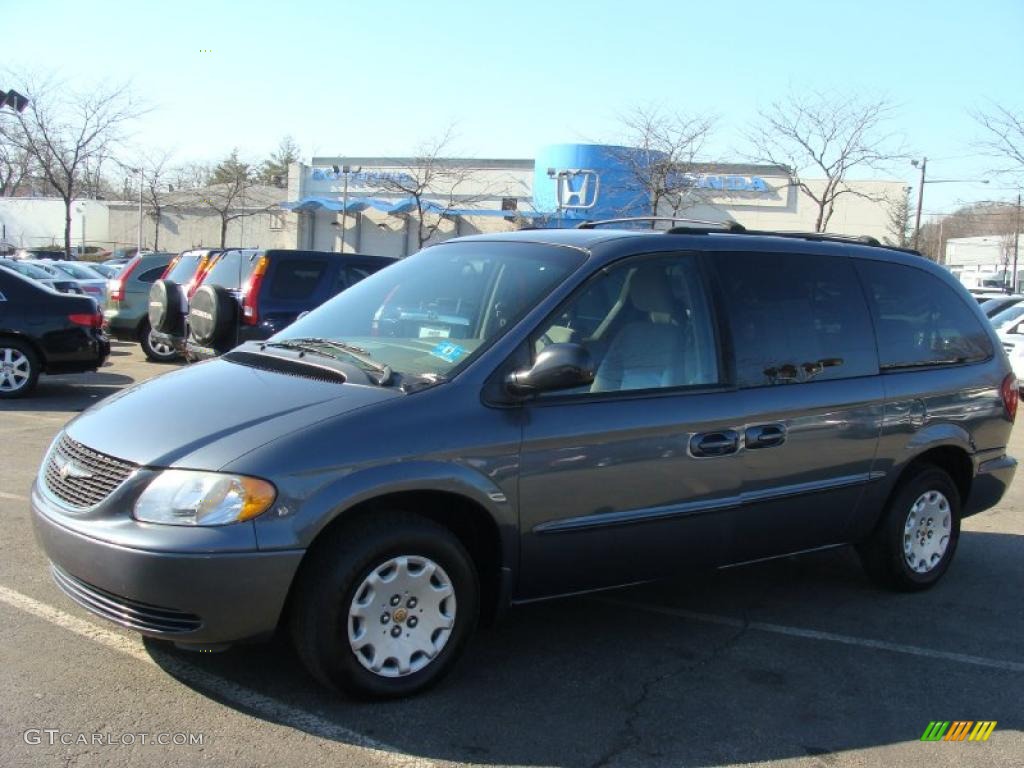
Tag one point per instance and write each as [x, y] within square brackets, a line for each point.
[429, 313]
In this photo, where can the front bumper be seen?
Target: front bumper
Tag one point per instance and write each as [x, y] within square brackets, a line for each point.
[187, 597]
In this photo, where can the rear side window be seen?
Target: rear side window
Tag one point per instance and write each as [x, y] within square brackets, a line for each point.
[296, 279]
[152, 275]
[795, 318]
[919, 319]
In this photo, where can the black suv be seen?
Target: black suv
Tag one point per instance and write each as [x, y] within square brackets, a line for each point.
[249, 295]
[42, 331]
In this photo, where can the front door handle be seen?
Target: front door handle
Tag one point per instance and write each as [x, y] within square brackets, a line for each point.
[708, 444]
[764, 436]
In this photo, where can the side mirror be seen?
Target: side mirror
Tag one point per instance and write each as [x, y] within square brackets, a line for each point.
[558, 366]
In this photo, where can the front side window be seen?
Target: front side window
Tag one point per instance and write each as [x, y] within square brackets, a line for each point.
[795, 318]
[919, 319]
[431, 312]
[646, 323]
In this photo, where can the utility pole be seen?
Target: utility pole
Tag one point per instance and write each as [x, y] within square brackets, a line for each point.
[1016, 242]
[920, 199]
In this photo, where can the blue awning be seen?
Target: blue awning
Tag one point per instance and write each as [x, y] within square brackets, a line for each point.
[396, 207]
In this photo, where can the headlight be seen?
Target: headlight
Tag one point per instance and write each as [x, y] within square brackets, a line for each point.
[184, 497]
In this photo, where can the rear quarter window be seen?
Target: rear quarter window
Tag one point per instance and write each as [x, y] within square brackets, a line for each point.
[919, 320]
[231, 270]
[296, 279]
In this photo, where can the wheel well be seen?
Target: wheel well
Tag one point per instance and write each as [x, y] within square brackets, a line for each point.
[470, 522]
[956, 463]
[26, 340]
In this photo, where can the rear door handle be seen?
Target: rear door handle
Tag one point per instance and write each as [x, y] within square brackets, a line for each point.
[707, 444]
[764, 436]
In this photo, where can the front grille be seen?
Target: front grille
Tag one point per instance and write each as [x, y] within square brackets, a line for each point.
[82, 477]
[128, 613]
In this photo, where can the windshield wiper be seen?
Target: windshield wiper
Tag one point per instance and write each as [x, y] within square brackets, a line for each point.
[360, 355]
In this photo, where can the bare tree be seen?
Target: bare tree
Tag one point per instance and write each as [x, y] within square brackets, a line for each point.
[16, 165]
[435, 184]
[663, 152]
[233, 193]
[65, 133]
[828, 136]
[1003, 137]
[156, 190]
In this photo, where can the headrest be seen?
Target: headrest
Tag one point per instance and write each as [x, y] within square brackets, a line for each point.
[649, 291]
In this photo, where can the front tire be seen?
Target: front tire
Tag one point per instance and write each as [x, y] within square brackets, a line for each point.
[19, 369]
[384, 607]
[915, 542]
[154, 350]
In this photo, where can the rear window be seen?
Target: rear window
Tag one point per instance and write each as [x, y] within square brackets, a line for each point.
[232, 269]
[185, 268]
[919, 319]
[296, 279]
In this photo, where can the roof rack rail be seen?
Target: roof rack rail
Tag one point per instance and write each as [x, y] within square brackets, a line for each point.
[723, 225]
[815, 236]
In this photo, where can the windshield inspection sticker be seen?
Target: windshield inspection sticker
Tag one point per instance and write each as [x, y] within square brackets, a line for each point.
[448, 352]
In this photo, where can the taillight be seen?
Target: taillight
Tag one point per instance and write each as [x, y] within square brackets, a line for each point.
[172, 265]
[204, 266]
[251, 293]
[117, 284]
[1010, 395]
[93, 320]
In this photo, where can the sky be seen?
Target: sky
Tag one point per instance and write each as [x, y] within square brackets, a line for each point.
[380, 79]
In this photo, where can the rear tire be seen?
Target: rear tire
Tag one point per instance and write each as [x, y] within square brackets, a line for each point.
[917, 537]
[155, 351]
[19, 369]
[353, 594]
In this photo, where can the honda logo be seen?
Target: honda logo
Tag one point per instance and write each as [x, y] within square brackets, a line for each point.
[578, 188]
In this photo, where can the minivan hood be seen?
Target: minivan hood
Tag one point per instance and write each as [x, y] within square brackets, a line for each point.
[207, 415]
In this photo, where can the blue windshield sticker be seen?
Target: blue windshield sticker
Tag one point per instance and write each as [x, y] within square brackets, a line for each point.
[448, 352]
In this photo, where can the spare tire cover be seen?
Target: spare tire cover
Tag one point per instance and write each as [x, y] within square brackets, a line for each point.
[212, 314]
[165, 307]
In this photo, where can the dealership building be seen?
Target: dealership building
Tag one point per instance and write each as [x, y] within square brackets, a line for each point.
[371, 204]
[374, 204]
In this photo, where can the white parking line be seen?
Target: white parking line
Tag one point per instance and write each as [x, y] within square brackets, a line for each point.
[12, 496]
[249, 701]
[814, 634]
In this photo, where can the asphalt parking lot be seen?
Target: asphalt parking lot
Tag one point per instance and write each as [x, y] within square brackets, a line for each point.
[796, 662]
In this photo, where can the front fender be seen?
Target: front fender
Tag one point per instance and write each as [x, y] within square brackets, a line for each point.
[299, 528]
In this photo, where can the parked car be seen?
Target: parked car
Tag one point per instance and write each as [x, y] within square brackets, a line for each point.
[50, 254]
[106, 270]
[169, 296]
[42, 331]
[992, 306]
[125, 316]
[555, 412]
[89, 282]
[41, 276]
[249, 295]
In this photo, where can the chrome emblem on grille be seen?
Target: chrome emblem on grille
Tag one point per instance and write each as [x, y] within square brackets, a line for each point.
[67, 468]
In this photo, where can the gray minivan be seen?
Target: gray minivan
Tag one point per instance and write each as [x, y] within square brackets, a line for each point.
[511, 417]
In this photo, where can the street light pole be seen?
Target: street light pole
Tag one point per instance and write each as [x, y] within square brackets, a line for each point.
[141, 176]
[1016, 242]
[344, 205]
[920, 199]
